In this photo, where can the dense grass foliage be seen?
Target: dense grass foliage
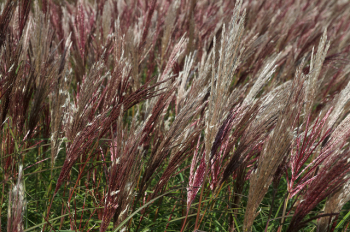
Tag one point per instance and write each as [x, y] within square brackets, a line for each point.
[174, 115]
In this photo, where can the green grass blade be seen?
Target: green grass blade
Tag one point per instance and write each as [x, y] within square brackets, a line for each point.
[343, 220]
[139, 209]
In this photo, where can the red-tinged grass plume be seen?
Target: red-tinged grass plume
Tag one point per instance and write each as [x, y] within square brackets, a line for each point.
[178, 115]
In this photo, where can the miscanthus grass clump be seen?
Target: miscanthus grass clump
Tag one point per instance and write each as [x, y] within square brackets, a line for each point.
[174, 115]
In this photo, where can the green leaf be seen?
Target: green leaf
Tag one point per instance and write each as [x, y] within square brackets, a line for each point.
[144, 206]
[56, 218]
[343, 220]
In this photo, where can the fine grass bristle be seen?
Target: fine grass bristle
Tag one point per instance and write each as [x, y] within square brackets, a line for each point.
[174, 115]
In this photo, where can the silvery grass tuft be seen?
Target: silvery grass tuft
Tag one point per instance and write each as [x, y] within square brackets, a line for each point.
[179, 115]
